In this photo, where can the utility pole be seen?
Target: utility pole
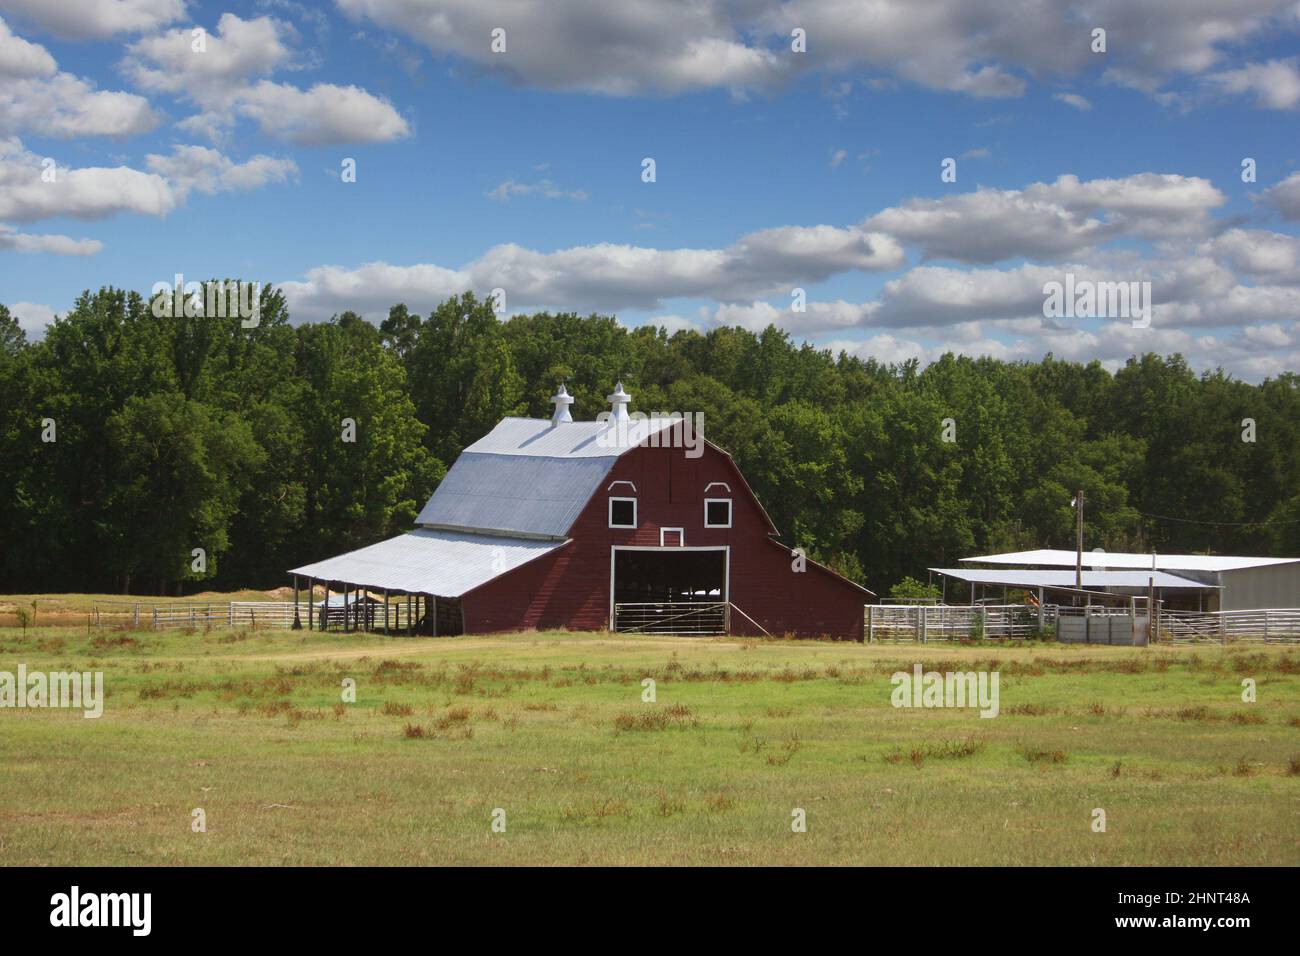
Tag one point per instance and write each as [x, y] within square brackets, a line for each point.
[1078, 543]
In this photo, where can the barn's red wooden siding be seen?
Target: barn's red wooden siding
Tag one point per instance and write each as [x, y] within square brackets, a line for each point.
[569, 588]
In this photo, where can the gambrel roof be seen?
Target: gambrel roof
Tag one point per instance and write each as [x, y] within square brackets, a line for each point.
[530, 477]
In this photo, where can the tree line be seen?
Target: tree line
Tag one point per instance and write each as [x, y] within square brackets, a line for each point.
[129, 440]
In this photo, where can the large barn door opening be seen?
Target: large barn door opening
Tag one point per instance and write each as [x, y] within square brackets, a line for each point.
[670, 590]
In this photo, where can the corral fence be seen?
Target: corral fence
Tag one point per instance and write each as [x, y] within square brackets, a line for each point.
[1264, 625]
[923, 623]
[269, 615]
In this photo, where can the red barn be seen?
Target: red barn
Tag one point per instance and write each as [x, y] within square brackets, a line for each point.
[626, 523]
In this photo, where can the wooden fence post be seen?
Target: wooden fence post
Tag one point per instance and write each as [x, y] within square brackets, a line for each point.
[871, 624]
[921, 618]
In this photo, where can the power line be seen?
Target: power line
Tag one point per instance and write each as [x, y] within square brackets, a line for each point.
[1226, 524]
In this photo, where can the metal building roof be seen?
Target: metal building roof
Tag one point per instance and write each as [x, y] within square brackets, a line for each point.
[538, 437]
[530, 477]
[1026, 578]
[424, 561]
[1054, 557]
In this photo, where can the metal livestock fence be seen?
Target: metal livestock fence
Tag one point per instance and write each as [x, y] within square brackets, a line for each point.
[924, 622]
[1262, 625]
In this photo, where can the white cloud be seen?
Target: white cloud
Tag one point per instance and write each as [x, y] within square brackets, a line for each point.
[32, 317]
[838, 157]
[94, 192]
[96, 19]
[605, 275]
[228, 80]
[1047, 220]
[1073, 99]
[36, 97]
[208, 171]
[324, 115]
[1259, 254]
[91, 192]
[546, 189]
[1285, 197]
[13, 240]
[619, 49]
[20, 59]
[238, 50]
[1274, 84]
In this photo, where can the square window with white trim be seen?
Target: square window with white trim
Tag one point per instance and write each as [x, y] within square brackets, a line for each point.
[717, 512]
[622, 512]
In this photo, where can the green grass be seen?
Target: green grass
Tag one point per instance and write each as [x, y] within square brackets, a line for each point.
[551, 728]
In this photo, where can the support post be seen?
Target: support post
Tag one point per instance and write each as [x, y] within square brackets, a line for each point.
[311, 604]
[871, 624]
[434, 615]
[297, 621]
[385, 612]
[921, 619]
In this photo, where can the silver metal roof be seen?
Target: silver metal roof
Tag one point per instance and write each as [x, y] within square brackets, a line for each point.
[445, 563]
[514, 494]
[1054, 557]
[530, 477]
[1026, 578]
[538, 437]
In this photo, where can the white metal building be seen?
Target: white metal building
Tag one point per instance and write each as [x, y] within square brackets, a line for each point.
[1232, 582]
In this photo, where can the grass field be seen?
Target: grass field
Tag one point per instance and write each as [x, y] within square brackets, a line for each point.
[552, 729]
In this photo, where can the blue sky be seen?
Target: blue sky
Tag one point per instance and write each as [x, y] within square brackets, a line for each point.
[774, 169]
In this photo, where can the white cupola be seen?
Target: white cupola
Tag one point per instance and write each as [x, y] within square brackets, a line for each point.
[618, 403]
[561, 400]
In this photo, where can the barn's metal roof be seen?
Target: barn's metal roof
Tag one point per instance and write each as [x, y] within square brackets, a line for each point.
[1026, 578]
[1053, 557]
[445, 563]
[530, 477]
[539, 438]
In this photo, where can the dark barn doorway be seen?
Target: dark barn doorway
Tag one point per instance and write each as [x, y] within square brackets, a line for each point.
[654, 590]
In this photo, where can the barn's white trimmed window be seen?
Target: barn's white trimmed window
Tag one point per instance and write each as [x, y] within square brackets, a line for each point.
[672, 537]
[717, 512]
[622, 512]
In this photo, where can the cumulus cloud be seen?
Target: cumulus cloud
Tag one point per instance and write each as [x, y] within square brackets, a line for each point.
[95, 19]
[228, 80]
[13, 240]
[1284, 198]
[239, 49]
[1047, 220]
[966, 46]
[32, 317]
[1275, 84]
[208, 171]
[619, 49]
[36, 97]
[1268, 256]
[95, 192]
[605, 275]
[20, 59]
[1073, 99]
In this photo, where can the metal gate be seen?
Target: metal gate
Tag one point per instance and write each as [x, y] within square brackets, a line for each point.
[678, 618]
[1101, 625]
